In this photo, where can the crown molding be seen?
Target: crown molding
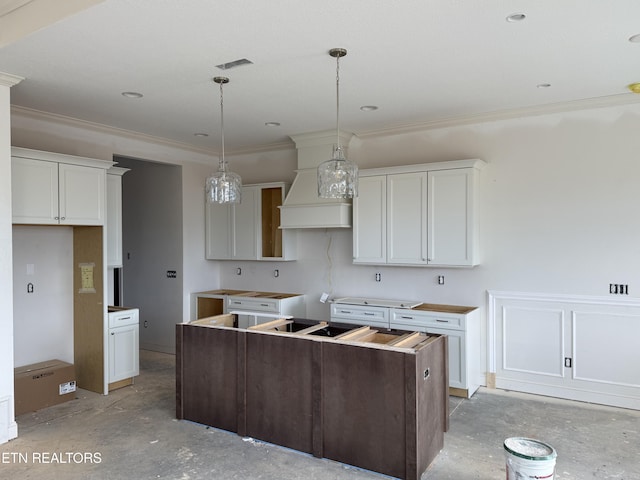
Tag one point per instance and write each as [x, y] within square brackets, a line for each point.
[561, 107]
[120, 132]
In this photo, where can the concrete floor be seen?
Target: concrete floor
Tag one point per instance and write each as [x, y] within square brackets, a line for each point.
[134, 434]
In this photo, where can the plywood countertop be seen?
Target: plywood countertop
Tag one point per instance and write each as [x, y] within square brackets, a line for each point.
[249, 293]
[435, 307]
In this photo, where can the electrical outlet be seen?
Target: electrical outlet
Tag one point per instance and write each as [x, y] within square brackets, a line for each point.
[172, 274]
[378, 277]
[619, 288]
[440, 279]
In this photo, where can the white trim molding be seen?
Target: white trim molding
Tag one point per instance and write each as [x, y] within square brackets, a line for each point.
[8, 80]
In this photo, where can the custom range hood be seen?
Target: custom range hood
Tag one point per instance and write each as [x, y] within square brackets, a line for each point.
[303, 208]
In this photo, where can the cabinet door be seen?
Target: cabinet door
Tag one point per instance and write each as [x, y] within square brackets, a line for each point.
[82, 195]
[114, 221]
[370, 221]
[407, 218]
[244, 223]
[123, 353]
[218, 232]
[457, 356]
[450, 216]
[34, 191]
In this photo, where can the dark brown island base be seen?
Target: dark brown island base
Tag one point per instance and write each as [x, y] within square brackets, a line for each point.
[378, 401]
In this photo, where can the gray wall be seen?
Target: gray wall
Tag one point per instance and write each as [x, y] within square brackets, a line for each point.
[152, 244]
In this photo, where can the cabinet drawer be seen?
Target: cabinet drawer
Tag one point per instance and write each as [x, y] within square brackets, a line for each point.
[123, 318]
[254, 304]
[426, 319]
[360, 315]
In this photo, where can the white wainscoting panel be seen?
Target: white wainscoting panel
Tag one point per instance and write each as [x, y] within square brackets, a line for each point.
[568, 346]
[617, 360]
[533, 340]
[8, 427]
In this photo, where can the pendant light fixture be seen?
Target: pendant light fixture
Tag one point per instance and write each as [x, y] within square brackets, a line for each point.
[338, 177]
[223, 186]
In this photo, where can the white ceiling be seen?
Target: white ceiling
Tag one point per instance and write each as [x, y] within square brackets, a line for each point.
[422, 62]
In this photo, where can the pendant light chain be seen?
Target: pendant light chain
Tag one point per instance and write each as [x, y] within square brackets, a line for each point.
[338, 102]
[222, 161]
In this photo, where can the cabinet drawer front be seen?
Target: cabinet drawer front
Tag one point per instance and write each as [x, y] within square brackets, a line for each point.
[430, 319]
[370, 321]
[362, 315]
[120, 319]
[254, 304]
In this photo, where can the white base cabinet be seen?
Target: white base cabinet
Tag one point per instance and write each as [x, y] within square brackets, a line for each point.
[253, 310]
[419, 215]
[55, 189]
[124, 339]
[463, 331]
[461, 325]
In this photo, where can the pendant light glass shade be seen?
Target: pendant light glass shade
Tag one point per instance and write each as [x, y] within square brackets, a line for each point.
[338, 177]
[223, 186]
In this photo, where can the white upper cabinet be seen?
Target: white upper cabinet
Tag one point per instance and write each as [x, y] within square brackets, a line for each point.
[244, 225]
[370, 220]
[419, 215]
[452, 217]
[114, 216]
[407, 218]
[250, 230]
[52, 189]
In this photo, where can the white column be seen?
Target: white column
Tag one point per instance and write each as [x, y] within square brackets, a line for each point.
[8, 426]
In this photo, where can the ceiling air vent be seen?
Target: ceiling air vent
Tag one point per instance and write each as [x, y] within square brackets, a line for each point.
[234, 64]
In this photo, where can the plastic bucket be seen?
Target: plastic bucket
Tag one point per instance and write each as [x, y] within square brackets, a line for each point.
[529, 459]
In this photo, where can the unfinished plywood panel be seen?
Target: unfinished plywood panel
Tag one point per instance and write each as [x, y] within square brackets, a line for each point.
[88, 308]
[422, 375]
[271, 233]
[367, 386]
[207, 375]
[280, 377]
[208, 307]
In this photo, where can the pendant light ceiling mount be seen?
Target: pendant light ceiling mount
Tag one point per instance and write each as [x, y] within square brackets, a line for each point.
[338, 177]
[338, 52]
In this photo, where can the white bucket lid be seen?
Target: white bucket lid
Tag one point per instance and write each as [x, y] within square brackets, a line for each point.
[529, 448]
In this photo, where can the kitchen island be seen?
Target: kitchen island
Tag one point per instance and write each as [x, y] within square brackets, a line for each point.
[355, 395]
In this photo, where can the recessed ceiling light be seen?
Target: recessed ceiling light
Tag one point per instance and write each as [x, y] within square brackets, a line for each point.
[635, 38]
[368, 108]
[543, 85]
[516, 17]
[132, 95]
[272, 124]
[200, 134]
